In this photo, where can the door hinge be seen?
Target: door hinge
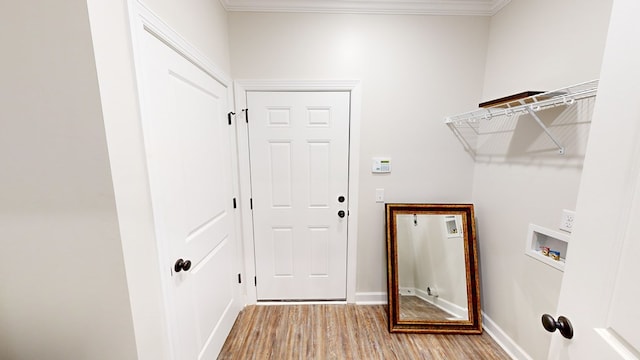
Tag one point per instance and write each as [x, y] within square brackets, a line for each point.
[251, 203]
[255, 280]
[229, 116]
[235, 205]
[239, 279]
[246, 115]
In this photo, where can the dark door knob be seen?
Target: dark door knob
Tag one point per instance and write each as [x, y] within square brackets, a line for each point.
[340, 199]
[181, 265]
[563, 324]
[341, 213]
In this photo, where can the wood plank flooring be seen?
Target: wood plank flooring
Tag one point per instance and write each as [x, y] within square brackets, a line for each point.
[412, 307]
[342, 332]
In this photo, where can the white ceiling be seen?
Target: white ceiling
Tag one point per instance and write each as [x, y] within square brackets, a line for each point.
[429, 7]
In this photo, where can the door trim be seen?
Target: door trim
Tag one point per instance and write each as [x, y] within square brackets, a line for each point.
[241, 87]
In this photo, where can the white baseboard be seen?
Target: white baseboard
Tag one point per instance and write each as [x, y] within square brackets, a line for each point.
[371, 298]
[505, 342]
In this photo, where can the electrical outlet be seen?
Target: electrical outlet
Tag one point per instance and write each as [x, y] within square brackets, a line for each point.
[568, 217]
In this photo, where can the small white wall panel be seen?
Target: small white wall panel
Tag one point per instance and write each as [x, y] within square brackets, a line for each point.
[191, 113]
[280, 117]
[319, 174]
[283, 251]
[319, 241]
[210, 285]
[319, 117]
[280, 165]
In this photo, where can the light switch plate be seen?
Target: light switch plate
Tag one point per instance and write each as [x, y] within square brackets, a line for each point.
[379, 195]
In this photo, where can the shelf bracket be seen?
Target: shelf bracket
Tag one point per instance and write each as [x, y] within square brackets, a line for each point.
[545, 129]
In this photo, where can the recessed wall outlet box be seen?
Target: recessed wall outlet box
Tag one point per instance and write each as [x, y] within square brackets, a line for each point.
[566, 222]
[381, 165]
[379, 195]
[541, 242]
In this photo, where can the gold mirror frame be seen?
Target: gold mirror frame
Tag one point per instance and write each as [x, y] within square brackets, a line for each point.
[473, 323]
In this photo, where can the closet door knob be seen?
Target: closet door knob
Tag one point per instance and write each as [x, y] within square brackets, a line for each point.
[341, 213]
[563, 324]
[181, 265]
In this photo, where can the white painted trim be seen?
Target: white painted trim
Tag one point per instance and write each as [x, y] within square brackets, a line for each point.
[354, 189]
[371, 298]
[501, 338]
[425, 7]
[354, 87]
[154, 25]
[296, 85]
[244, 195]
[498, 5]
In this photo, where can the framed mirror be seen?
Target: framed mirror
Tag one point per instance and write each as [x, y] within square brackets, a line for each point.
[432, 264]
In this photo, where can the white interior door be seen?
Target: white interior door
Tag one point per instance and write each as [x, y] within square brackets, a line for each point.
[188, 148]
[299, 151]
[600, 292]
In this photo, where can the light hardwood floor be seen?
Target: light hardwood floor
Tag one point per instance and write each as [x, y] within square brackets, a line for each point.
[342, 332]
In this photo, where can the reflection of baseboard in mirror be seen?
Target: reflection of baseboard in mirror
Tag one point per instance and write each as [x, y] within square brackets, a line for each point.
[416, 308]
[433, 284]
[448, 310]
[455, 312]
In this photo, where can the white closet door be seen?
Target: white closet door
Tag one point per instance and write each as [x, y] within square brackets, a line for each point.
[188, 149]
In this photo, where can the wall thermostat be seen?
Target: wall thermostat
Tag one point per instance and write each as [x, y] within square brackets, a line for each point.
[381, 165]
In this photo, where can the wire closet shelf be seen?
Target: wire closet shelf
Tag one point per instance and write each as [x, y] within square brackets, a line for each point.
[529, 105]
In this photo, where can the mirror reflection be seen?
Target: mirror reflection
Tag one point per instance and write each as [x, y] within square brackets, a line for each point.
[432, 268]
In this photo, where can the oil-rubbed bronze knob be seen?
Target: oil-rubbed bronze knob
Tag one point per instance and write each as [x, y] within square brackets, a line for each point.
[341, 213]
[181, 265]
[563, 324]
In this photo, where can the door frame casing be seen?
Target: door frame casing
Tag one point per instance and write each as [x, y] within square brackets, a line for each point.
[241, 87]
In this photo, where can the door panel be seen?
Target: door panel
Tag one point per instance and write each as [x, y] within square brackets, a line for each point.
[189, 161]
[600, 286]
[319, 175]
[299, 154]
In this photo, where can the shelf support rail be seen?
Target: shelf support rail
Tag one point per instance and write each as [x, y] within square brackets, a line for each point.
[545, 129]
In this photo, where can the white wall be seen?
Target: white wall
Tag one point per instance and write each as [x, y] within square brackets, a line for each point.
[414, 69]
[450, 276]
[63, 292]
[533, 45]
[74, 206]
[407, 248]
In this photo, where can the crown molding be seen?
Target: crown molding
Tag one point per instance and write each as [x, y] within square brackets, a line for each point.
[411, 7]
